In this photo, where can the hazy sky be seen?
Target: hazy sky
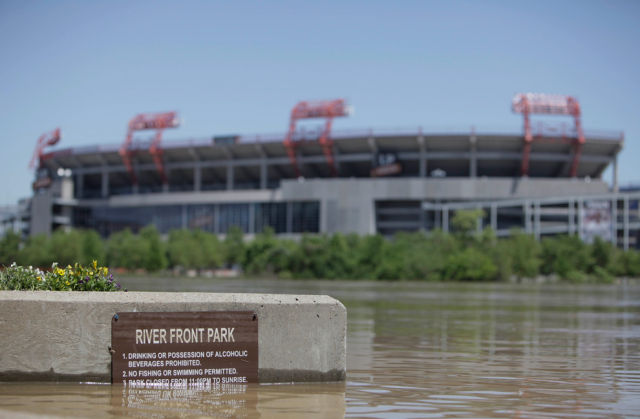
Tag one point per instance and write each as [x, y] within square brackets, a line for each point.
[239, 67]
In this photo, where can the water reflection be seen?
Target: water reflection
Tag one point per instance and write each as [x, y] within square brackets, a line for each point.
[418, 350]
[72, 400]
[496, 351]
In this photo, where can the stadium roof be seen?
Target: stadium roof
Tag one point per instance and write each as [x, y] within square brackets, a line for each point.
[453, 154]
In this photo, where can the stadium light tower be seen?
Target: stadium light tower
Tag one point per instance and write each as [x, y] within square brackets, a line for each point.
[46, 140]
[327, 109]
[145, 121]
[541, 103]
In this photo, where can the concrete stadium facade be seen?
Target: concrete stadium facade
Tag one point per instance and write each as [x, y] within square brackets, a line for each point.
[250, 182]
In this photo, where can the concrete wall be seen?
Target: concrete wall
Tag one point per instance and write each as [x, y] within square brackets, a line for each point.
[67, 335]
[348, 205]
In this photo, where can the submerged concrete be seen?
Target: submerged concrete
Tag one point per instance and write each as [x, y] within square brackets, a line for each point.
[67, 335]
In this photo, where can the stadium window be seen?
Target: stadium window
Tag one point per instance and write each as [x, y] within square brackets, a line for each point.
[234, 215]
[271, 214]
[306, 217]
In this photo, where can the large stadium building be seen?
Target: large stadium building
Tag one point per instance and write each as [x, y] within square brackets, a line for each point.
[380, 182]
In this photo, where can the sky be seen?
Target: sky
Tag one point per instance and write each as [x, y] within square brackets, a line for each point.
[239, 67]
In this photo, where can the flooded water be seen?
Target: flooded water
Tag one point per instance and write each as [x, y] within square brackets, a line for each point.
[415, 350]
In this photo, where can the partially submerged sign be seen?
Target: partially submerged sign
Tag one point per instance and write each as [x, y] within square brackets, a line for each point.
[184, 349]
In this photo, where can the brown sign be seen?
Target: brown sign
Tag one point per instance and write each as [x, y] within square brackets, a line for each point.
[387, 170]
[184, 349]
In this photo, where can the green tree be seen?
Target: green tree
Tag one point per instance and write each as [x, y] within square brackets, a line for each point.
[183, 251]
[36, 252]
[525, 252]
[155, 258]
[470, 264]
[126, 250]
[602, 256]
[66, 247]
[566, 256]
[369, 255]
[234, 246]
[259, 252]
[465, 222]
[211, 252]
[92, 248]
[9, 248]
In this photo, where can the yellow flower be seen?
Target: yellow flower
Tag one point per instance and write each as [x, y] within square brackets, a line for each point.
[60, 271]
[105, 271]
[68, 283]
[95, 264]
[39, 279]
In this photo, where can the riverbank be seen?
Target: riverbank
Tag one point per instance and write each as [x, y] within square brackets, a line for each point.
[465, 255]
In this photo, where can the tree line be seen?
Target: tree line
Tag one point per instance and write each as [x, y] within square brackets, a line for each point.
[463, 255]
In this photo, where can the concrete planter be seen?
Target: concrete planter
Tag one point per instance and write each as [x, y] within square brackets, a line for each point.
[66, 335]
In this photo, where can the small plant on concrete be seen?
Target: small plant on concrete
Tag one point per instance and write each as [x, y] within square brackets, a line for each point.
[71, 278]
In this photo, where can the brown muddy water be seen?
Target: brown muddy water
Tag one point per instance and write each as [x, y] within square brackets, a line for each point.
[414, 350]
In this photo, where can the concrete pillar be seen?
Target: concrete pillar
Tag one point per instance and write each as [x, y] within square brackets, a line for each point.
[324, 222]
[252, 218]
[494, 217]
[197, 178]
[216, 219]
[79, 192]
[289, 217]
[536, 218]
[614, 221]
[626, 224]
[230, 180]
[473, 155]
[422, 163]
[445, 219]
[527, 217]
[572, 217]
[615, 173]
[105, 183]
[580, 211]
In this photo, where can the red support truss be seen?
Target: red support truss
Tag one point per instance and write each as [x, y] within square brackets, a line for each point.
[327, 109]
[47, 139]
[147, 121]
[540, 103]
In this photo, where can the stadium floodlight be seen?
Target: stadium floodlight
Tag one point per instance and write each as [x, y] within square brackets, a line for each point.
[549, 104]
[146, 121]
[46, 140]
[327, 109]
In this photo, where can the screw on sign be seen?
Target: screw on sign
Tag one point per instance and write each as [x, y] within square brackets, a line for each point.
[184, 349]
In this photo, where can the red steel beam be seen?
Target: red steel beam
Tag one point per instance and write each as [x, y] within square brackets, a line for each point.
[327, 109]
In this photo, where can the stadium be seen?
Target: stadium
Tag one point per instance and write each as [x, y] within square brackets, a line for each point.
[544, 180]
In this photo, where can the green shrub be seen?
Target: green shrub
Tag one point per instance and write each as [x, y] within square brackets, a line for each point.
[36, 252]
[71, 278]
[9, 248]
[126, 250]
[524, 252]
[234, 246]
[565, 256]
[470, 265]
[155, 257]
